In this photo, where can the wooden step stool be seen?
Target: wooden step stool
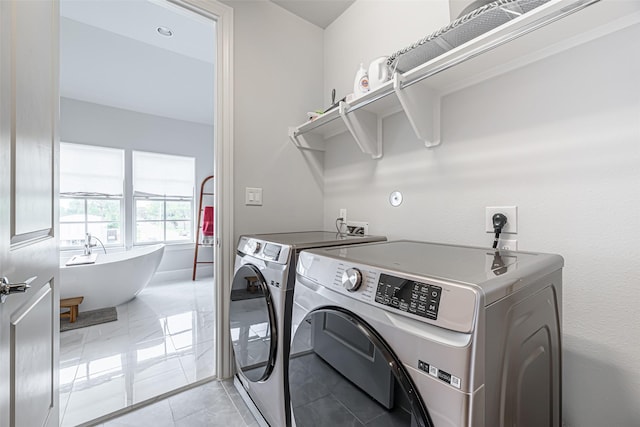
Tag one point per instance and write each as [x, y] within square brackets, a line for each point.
[72, 304]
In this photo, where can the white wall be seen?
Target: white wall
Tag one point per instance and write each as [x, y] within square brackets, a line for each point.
[561, 140]
[373, 28]
[277, 79]
[93, 124]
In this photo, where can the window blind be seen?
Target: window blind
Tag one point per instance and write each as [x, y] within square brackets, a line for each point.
[162, 175]
[87, 170]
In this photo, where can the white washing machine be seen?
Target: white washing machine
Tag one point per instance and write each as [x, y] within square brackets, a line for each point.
[260, 315]
[421, 334]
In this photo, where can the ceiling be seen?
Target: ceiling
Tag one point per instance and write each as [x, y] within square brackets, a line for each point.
[319, 12]
[112, 54]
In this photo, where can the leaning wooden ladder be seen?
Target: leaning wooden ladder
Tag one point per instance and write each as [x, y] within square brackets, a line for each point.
[201, 208]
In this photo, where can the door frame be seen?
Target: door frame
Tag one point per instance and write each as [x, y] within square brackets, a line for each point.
[223, 171]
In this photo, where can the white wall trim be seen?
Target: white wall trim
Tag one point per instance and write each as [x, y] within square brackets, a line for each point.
[181, 274]
[223, 170]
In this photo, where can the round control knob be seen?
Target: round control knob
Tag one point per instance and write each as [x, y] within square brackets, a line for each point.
[253, 246]
[351, 279]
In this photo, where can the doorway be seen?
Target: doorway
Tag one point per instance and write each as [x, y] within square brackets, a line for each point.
[167, 337]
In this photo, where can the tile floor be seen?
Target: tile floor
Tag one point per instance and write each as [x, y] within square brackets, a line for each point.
[162, 340]
[216, 403]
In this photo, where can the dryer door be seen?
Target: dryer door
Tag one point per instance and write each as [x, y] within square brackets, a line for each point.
[253, 324]
[341, 372]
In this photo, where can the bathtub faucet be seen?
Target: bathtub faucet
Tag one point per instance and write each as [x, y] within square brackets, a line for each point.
[87, 244]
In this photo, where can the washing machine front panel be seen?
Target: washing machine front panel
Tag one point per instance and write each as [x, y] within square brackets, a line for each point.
[436, 360]
[253, 323]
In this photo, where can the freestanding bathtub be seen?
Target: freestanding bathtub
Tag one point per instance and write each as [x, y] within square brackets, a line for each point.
[113, 279]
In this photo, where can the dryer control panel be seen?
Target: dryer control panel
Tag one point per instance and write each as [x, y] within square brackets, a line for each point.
[421, 299]
[441, 303]
[264, 250]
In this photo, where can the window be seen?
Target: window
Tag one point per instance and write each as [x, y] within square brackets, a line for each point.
[163, 187]
[91, 194]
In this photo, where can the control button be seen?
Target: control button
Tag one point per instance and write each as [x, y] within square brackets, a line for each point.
[395, 302]
[423, 298]
[435, 293]
[424, 289]
[253, 247]
[422, 307]
[351, 279]
[404, 306]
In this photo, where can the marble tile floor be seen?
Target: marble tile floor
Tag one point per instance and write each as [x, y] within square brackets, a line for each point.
[163, 340]
[216, 403]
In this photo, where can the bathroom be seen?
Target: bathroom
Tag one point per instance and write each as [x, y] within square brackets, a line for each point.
[555, 135]
[130, 175]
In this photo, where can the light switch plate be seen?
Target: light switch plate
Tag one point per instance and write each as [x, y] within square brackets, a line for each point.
[253, 196]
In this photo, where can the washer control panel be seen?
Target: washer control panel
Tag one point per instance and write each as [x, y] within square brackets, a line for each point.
[446, 304]
[263, 250]
[421, 299]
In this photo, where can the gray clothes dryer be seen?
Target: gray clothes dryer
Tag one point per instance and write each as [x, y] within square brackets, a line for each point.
[422, 334]
[260, 315]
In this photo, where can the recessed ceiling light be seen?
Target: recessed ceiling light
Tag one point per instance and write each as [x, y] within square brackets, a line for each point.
[164, 31]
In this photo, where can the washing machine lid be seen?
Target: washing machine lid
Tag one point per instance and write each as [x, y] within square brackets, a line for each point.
[282, 248]
[495, 271]
[314, 239]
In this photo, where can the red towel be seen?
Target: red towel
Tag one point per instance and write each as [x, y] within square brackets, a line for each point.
[207, 221]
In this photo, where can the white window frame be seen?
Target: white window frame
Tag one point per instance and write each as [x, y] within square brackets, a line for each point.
[86, 222]
[164, 220]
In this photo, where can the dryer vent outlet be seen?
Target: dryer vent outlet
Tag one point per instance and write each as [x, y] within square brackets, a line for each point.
[357, 228]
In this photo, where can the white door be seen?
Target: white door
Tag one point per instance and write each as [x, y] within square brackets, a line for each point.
[29, 323]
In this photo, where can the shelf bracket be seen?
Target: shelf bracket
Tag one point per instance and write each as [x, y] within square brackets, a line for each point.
[363, 126]
[421, 104]
[307, 141]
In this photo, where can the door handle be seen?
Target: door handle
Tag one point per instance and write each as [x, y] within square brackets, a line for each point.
[7, 288]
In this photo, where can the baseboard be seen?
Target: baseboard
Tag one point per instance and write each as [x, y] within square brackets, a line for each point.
[182, 274]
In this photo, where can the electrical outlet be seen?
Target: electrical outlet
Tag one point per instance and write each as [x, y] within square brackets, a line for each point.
[357, 228]
[511, 212]
[343, 214]
[508, 244]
